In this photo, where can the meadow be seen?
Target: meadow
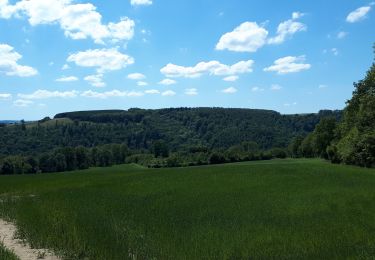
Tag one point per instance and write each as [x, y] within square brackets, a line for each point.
[281, 209]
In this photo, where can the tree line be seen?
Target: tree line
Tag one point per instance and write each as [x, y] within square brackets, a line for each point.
[80, 157]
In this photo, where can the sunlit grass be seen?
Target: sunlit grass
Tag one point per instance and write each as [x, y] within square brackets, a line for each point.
[272, 209]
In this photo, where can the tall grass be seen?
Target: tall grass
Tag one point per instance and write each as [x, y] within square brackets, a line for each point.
[280, 209]
[6, 254]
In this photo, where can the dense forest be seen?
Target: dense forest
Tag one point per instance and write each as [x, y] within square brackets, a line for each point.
[155, 138]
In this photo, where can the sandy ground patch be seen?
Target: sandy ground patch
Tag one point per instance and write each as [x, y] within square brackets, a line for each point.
[19, 247]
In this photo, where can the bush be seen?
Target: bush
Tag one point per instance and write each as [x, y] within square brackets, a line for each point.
[217, 158]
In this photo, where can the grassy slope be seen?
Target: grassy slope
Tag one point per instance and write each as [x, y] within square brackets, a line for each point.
[281, 209]
[6, 254]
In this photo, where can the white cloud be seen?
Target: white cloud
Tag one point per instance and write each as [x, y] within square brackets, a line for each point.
[287, 29]
[335, 51]
[142, 83]
[231, 78]
[67, 79]
[123, 30]
[257, 89]
[135, 94]
[168, 93]
[22, 103]
[79, 21]
[276, 87]
[191, 91]
[322, 86]
[109, 94]
[248, 37]
[44, 94]
[297, 15]
[95, 80]
[289, 64]
[152, 91]
[212, 68]
[102, 59]
[9, 63]
[167, 82]
[5, 96]
[65, 67]
[141, 2]
[341, 35]
[230, 90]
[290, 104]
[358, 14]
[136, 76]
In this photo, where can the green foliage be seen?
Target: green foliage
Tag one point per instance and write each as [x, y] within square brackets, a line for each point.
[160, 149]
[6, 254]
[295, 148]
[355, 144]
[181, 129]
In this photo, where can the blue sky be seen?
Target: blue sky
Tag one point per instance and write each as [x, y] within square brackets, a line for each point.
[289, 56]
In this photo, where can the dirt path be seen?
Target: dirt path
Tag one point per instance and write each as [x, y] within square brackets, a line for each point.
[18, 247]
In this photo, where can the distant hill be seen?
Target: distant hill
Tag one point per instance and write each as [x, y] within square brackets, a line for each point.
[180, 128]
[7, 122]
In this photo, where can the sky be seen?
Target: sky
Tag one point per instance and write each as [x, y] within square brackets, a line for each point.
[289, 56]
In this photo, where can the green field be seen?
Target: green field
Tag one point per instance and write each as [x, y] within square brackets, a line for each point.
[282, 209]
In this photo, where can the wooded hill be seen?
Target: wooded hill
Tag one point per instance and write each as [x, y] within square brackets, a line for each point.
[179, 128]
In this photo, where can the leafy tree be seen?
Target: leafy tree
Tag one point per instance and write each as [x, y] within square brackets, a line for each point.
[355, 144]
[160, 149]
[323, 134]
[295, 146]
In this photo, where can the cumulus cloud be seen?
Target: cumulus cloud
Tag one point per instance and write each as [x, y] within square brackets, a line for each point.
[136, 76]
[95, 80]
[141, 2]
[109, 94]
[44, 94]
[101, 59]
[22, 103]
[79, 21]
[230, 90]
[167, 82]
[5, 96]
[191, 91]
[168, 93]
[67, 79]
[288, 28]
[212, 68]
[248, 37]
[152, 91]
[231, 78]
[289, 64]
[358, 14]
[9, 63]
